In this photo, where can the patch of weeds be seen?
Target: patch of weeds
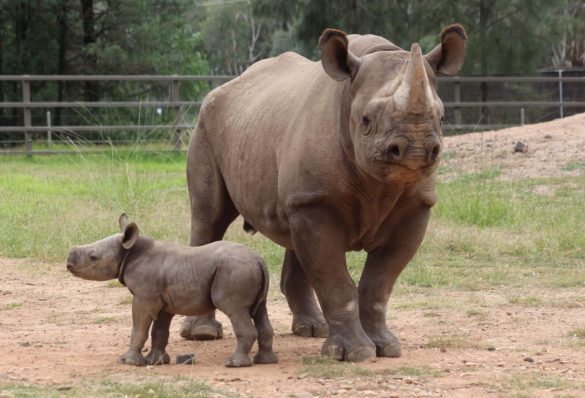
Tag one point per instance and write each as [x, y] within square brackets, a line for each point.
[453, 342]
[325, 367]
[11, 306]
[578, 333]
[114, 283]
[415, 372]
[573, 166]
[527, 301]
[473, 312]
[104, 320]
[126, 300]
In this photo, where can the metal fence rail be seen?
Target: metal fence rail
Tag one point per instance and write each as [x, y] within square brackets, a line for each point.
[454, 103]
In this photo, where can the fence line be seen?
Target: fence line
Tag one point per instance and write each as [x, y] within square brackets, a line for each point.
[176, 105]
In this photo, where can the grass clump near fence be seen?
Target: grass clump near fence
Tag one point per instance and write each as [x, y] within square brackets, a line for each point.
[484, 231]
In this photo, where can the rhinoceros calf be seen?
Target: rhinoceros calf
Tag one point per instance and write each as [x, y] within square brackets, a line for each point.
[325, 158]
[167, 279]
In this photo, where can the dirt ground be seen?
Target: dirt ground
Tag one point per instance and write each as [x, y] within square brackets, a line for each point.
[57, 330]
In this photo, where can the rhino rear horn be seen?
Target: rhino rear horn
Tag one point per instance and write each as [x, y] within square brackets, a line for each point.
[339, 63]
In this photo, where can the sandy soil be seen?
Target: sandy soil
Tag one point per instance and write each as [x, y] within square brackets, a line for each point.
[553, 148]
[57, 330]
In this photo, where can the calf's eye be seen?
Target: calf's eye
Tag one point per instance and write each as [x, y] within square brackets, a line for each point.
[93, 257]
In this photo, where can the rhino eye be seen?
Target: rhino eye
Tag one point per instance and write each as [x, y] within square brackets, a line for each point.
[93, 257]
[366, 121]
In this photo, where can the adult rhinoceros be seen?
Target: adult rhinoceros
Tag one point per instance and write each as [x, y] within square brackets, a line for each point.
[323, 158]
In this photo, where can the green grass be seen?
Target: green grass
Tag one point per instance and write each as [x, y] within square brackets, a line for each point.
[484, 232]
[325, 367]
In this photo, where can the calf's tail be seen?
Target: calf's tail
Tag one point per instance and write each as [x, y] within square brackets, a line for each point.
[261, 297]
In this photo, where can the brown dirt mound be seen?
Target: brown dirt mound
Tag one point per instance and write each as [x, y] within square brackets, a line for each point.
[555, 148]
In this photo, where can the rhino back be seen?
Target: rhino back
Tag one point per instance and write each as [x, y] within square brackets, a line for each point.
[273, 133]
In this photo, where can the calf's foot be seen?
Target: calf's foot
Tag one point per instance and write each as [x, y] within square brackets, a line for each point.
[132, 357]
[238, 360]
[157, 357]
[201, 328]
[350, 349]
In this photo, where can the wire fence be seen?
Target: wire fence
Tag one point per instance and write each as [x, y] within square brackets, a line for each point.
[157, 112]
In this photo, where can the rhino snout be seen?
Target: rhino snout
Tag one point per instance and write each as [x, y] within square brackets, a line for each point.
[400, 151]
[72, 259]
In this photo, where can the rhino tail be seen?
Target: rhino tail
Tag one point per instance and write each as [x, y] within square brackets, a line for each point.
[249, 228]
[260, 301]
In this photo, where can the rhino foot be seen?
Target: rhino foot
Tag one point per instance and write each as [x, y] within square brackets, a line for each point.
[310, 327]
[132, 357]
[341, 349]
[156, 357]
[265, 358]
[387, 345]
[195, 328]
[238, 361]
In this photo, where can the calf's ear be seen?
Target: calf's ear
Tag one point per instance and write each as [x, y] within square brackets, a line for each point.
[129, 236]
[447, 58]
[339, 63]
[122, 222]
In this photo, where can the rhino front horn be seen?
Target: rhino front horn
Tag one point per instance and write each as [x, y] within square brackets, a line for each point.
[414, 93]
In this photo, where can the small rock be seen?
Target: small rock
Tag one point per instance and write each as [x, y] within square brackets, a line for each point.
[302, 394]
[547, 137]
[528, 359]
[443, 349]
[491, 348]
[187, 359]
[520, 147]
[151, 392]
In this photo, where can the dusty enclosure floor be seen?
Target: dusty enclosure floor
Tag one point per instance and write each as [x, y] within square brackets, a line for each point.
[60, 332]
[57, 330]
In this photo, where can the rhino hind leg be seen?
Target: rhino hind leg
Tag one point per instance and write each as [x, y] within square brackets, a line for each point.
[212, 211]
[265, 336]
[246, 335]
[308, 321]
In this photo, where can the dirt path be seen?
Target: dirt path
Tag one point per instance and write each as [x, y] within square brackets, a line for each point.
[57, 330]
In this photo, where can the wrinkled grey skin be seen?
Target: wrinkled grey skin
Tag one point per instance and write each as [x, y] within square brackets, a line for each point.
[324, 158]
[167, 279]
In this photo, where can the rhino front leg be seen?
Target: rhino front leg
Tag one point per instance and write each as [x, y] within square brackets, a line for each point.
[319, 240]
[212, 211]
[308, 320]
[383, 266]
[160, 338]
[141, 321]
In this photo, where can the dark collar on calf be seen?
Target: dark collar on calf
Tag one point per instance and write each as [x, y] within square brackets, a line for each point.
[122, 267]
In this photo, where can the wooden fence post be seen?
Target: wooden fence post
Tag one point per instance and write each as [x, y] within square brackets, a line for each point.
[27, 116]
[457, 100]
[176, 113]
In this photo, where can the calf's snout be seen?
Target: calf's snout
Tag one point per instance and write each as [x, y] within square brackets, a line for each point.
[72, 259]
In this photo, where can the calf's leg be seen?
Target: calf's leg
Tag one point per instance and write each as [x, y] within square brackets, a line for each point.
[246, 334]
[141, 321]
[160, 338]
[265, 336]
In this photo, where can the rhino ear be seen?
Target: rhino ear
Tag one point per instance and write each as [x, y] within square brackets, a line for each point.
[339, 63]
[129, 236]
[447, 58]
[122, 222]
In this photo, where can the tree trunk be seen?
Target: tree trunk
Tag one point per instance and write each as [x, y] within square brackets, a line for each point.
[61, 12]
[484, 13]
[89, 39]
